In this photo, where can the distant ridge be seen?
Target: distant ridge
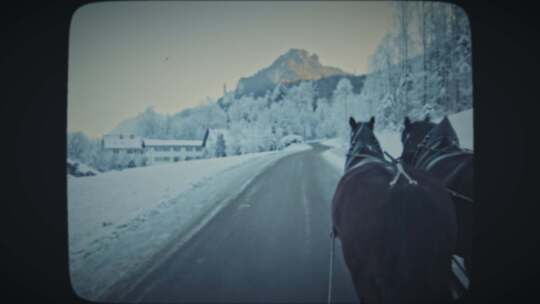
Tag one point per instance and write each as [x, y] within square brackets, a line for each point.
[293, 66]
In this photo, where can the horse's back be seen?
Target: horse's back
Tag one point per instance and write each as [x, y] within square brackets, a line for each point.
[397, 241]
[457, 174]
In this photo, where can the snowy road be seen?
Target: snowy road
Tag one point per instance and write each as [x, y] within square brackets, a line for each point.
[271, 244]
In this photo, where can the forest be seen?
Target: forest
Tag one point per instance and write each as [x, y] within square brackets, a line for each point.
[423, 66]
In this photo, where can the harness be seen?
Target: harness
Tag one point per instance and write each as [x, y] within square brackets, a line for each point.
[366, 159]
[427, 163]
[400, 171]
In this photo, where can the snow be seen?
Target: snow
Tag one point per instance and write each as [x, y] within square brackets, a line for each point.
[120, 220]
[122, 141]
[83, 168]
[463, 124]
[336, 154]
[290, 139]
[390, 141]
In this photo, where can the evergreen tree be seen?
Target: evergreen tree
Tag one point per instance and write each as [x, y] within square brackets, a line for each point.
[220, 146]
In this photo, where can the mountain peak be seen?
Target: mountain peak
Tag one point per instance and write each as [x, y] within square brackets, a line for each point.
[294, 65]
[298, 56]
[296, 53]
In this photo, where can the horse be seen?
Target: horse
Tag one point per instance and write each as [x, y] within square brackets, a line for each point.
[396, 225]
[435, 149]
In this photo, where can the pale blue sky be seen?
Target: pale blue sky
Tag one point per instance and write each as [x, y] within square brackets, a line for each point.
[125, 56]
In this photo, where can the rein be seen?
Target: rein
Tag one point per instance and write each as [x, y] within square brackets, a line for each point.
[331, 272]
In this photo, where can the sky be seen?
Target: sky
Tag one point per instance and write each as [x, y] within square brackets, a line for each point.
[126, 56]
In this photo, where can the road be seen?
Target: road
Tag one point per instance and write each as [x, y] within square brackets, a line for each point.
[270, 244]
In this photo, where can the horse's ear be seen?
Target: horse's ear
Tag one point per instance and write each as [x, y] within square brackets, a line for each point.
[352, 122]
[371, 122]
[427, 119]
[407, 121]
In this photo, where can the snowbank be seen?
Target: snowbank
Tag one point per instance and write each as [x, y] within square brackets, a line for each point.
[336, 155]
[463, 124]
[114, 197]
[78, 169]
[390, 141]
[119, 220]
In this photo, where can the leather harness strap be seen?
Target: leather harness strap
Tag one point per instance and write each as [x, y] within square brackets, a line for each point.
[444, 156]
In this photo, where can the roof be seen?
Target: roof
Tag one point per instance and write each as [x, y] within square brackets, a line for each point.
[216, 132]
[171, 142]
[122, 142]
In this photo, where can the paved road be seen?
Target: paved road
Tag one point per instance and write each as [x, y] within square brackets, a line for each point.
[271, 244]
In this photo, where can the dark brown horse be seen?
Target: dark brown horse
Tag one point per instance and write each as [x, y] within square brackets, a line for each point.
[435, 149]
[396, 226]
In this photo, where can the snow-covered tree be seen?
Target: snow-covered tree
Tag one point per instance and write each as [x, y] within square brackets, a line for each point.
[79, 146]
[220, 146]
[342, 102]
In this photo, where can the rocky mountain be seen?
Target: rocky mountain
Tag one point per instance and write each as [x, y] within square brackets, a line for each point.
[326, 85]
[293, 66]
[288, 70]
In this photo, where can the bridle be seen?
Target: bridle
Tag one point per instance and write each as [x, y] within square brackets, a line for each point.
[427, 163]
[420, 160]
[366, 158]
[353, 155]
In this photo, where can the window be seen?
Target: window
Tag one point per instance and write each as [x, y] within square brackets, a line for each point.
[162, 148]
[177, 148]
[162, 159]
[188, 148]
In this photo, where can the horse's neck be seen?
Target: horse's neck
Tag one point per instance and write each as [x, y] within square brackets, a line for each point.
[367, 153]
[433, 152]
[361, 161]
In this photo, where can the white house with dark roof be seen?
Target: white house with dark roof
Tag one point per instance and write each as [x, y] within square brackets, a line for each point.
[154, 150]
[171, 150]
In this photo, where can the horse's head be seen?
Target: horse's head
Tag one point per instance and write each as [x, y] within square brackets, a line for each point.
[362, 141]
[412, 135]
[443, 135]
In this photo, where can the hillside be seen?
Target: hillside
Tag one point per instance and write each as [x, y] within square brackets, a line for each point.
[293, 66]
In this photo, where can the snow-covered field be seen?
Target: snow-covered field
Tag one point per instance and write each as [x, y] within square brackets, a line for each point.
[391, 141]
[119, 220]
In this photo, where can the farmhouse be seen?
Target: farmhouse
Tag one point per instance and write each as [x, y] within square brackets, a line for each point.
[154, 150]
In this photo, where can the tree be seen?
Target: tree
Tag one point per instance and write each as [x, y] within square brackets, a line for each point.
[151, 124]
[79, 147]
[460, 73]
[220, 146]
[341, 105]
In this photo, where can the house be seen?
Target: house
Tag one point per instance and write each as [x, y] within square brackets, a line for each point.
[153, 151]
[123, 144]
[171, 150]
